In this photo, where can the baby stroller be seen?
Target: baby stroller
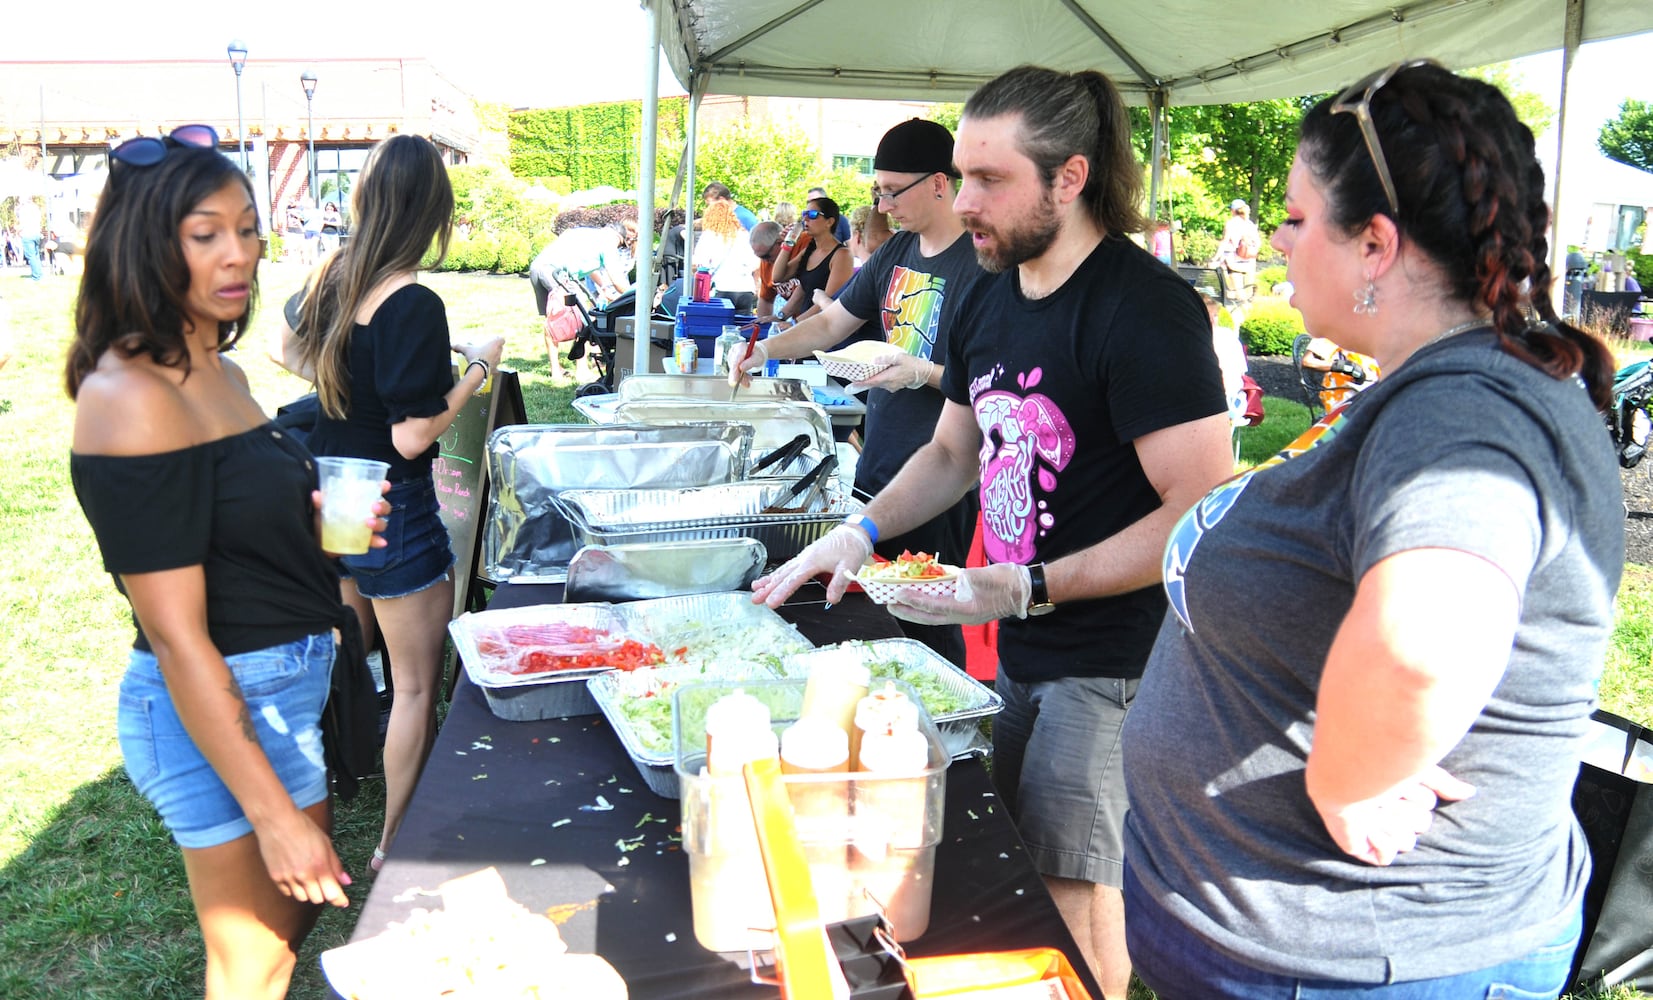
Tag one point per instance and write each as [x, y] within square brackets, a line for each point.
[1631, 419]
[1328, 375]
[588, 343]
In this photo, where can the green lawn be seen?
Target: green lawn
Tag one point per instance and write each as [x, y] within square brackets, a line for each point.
[93, 902]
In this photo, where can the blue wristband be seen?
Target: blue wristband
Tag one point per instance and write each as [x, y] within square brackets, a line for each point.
[863, 522]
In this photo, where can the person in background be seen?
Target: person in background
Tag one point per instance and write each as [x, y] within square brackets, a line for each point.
[841, 231]
[715, 192]
[868, 229]
[1378, 803]
[376, 344]
[767, 242]
[206, 517]
[32, 229]
[1161, 248]
[311, 223]
[825, 267]
[592, 257]
[332, 223]
[785, 214]
[725, 249]
[1237, 253]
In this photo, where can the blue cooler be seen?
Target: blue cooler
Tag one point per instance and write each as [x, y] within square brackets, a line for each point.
[703, 322]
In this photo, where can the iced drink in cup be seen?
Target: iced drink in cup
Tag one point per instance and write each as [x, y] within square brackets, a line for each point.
[349, 489]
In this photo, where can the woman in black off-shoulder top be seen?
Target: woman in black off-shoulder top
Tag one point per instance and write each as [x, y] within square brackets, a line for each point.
[204, 512]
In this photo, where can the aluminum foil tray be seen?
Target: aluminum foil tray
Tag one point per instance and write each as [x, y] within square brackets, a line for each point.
[633, 572]
[774, 421]
[524, 697]
[956, 701]
[712, 388]
[528, 464]
[625, 517]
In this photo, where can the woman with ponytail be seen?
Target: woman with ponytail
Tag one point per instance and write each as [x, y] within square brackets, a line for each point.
[376, 344]
[1379, 803]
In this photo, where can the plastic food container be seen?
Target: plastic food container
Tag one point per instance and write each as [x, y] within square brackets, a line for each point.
[869, 839]
[524, 697]
[955, 700]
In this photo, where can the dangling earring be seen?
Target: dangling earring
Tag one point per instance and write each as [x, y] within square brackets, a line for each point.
[1366, 300]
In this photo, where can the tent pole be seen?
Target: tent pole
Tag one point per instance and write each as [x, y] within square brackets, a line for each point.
[645, 197]
[697, 87]
[1573, 32]
[1156, 154]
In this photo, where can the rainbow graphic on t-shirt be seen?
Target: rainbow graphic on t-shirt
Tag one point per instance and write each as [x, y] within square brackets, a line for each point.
[1211, 509]
[912, 310]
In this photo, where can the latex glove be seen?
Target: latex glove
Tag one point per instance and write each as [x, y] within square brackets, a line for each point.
[488, 350]
[742, 373]
[983, 594]
[904, 372]
[1377, 829]
[841, 552]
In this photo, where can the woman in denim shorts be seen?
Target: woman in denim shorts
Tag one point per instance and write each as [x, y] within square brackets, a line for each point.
[204, 512]
[375, 342]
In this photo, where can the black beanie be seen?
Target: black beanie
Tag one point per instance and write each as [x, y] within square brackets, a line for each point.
[916, 146]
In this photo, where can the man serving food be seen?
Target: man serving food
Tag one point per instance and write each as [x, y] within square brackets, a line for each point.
[1084, 400]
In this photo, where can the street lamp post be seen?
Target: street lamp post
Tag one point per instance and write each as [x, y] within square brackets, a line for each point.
[238, 59]
[308, 78]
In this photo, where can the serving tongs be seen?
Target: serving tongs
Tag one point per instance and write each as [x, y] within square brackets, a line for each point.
[800, 497]
[781, 457]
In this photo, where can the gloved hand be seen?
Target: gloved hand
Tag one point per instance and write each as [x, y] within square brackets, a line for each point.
[742, 373]
[840, 552]
[904, 372]
[983, 594]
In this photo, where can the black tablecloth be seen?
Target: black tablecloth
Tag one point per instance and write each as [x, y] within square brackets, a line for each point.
[560, 809]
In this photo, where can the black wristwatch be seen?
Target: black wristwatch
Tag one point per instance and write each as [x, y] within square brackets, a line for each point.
[1038, 602]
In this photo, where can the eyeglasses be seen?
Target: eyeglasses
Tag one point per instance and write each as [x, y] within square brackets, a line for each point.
[812, 213]
[1362, 110]
[878, 196]
[146, 150]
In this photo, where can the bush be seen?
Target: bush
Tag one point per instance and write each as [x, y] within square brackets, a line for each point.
[1270, 327]
[1268, 277]
[541, 239]
[514, 256]
[274, 247]
[481, 252]
[1196, 246]
[1641, 265]
[457, 251]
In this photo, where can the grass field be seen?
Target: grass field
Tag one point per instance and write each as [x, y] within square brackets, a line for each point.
[93, 902]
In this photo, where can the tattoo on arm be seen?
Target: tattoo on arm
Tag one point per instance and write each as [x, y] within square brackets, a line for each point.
[244, 715]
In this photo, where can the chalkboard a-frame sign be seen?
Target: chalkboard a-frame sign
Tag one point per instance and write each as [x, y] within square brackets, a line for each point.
[461, 473]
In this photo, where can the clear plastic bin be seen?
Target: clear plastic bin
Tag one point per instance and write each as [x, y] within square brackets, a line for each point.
[870, 840]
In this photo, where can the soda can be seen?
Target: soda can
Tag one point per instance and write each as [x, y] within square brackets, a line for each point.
[687, 354]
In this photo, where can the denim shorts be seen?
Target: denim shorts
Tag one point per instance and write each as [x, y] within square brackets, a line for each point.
[1175, 962]
[285, 688]
[1057, 763]
[418, 556]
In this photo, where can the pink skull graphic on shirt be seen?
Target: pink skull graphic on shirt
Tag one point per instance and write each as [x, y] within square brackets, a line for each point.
[1023, 436]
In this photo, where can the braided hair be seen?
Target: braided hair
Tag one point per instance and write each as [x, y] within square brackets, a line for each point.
[1471, 197]
[1068, 114]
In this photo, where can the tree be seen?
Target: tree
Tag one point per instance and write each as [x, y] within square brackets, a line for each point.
[1532, 109]
[760, 163]
[1629, 137]
[1250, 146]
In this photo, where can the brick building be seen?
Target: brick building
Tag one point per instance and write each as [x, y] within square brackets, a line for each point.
[74, 111]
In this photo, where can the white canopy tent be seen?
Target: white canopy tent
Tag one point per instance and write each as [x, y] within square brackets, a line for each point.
[1158, 52]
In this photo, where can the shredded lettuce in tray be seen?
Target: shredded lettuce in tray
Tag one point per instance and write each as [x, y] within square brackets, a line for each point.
[940, 697]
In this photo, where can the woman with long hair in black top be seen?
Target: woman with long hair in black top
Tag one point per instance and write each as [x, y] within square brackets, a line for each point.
[205, 513]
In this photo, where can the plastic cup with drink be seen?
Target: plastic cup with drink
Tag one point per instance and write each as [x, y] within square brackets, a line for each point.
[349, 491]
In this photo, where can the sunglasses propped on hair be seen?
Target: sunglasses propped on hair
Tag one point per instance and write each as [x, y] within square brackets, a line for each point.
[147, 150]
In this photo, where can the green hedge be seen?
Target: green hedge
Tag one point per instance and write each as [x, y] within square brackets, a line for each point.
[1270, 276]
[1270, 327]
[514, 253]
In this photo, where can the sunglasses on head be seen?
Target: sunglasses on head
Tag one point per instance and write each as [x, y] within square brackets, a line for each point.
[147, 150]
[1361, 108]
[813, 213]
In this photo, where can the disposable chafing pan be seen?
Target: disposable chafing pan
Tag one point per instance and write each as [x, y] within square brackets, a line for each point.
[624, 517]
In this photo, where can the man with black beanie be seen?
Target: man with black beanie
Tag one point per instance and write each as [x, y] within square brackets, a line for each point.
[910, 287]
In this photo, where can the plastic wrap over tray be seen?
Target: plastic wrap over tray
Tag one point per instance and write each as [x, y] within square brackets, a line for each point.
[625, 517]
[724, 637]
[774, 421]
[529, 464]
[632, 572]
[712, 388]
[523, 697]
[957, 701]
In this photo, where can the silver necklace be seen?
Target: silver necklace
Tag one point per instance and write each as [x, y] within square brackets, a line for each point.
[1453, 331]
